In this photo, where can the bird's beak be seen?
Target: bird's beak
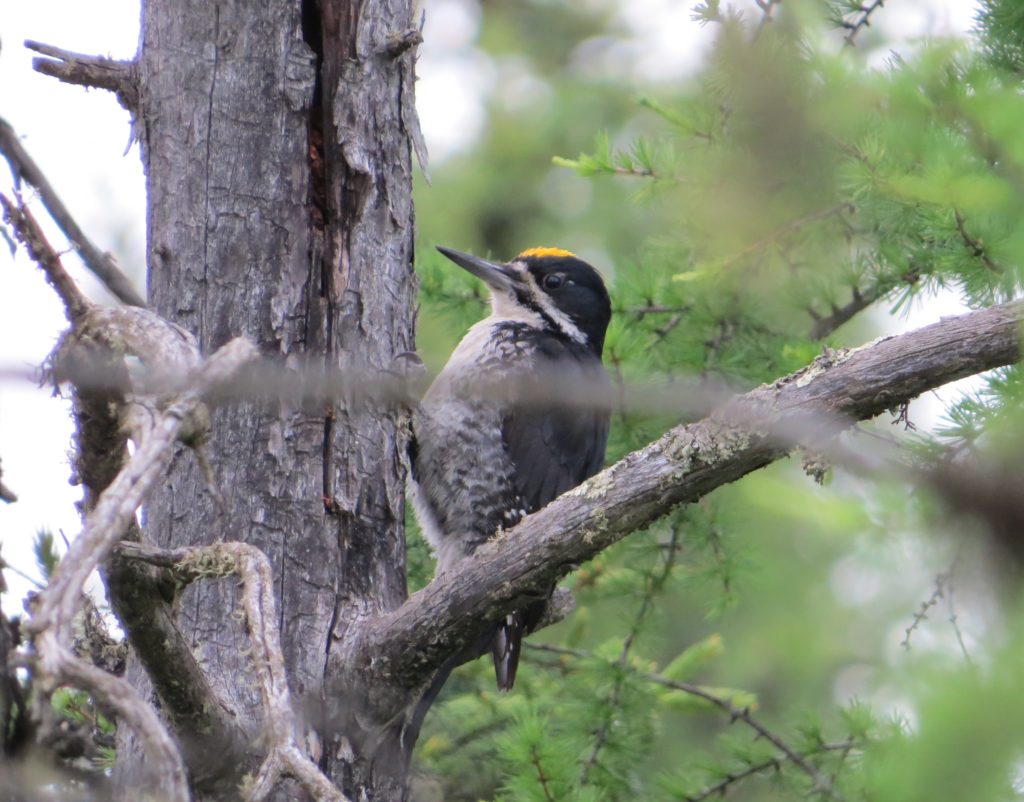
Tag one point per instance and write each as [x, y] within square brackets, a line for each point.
[499, 277]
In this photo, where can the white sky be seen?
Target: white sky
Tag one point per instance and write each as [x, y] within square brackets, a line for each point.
[79, 138]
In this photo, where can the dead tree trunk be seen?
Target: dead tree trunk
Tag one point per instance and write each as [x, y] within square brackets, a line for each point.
[277, 155]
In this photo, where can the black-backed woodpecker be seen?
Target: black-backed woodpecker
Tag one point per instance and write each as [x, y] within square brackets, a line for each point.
[482, 455]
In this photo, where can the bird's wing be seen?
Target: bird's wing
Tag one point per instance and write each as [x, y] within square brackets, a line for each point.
[554, 447]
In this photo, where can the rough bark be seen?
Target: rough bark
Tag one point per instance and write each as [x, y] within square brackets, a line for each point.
[279, 208]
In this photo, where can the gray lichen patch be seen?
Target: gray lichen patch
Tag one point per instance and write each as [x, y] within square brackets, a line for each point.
[705, 444]
[596, 487]
[208, 562]
[597, 524]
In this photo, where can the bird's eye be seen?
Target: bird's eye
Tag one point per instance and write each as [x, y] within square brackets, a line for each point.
[552, 281]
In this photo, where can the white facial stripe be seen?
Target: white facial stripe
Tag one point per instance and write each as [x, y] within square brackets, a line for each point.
[505, 306]
[543, 300]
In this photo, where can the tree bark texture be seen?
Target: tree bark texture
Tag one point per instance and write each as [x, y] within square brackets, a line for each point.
[275, 141]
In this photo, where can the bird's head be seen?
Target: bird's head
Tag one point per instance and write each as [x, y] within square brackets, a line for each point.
[549, 287]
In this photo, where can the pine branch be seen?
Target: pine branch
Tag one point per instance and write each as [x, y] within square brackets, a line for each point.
[682, 466]
[861, 300]
[821, 782]
[975, 245]
[541, 776]
[862, 20]
[652, 585]
[730, 779]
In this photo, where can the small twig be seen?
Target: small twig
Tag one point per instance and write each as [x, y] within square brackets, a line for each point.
[635, 172]
[100, 264]
[27, 230]
[732, 778]
[825, 325]
[921, 613]
[93, 71]
[399, 43]
[541, 776]
[6, 566]
[663, 332]
[767, 15]
[652, 309]
[821, 782]
[956, 626]
[862, 21]
[975, 245]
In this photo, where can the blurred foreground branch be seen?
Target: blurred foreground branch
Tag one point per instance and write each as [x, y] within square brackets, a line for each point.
[53, 664]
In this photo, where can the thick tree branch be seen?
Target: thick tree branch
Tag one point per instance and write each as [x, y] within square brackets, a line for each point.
[284, 756]
[682, 466]
[97, 72]
[101, 264]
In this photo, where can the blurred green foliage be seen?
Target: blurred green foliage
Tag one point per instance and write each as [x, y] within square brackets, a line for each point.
[789, 196]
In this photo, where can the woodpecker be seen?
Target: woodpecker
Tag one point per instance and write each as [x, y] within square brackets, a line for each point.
[480, 457]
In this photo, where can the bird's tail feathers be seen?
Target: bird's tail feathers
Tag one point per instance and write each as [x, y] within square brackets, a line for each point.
[507, 644]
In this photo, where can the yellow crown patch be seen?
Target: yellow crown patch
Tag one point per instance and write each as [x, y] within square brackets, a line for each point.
[539, 253]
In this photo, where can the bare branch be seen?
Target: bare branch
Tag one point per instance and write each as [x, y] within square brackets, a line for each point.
[101, 264]
[92, 71]
[284, 757]
[682, 466]
[861, 300]
[50, 624]
[27, 230]
[975, 245]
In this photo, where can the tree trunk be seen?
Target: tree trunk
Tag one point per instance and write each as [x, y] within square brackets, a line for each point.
[276, 147]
